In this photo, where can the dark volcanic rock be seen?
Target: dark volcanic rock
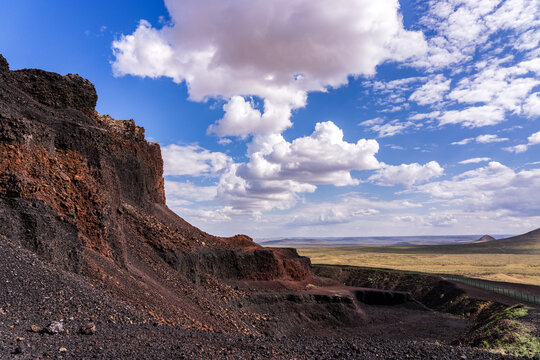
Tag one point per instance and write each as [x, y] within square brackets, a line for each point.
[72, 179]
[4, 66]
[85, 192]
[249, 264]
[88, 329]
[60, 92]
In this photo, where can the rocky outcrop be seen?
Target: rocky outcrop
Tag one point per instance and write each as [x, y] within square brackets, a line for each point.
[257, 264]
[4, 66]
[86, 192]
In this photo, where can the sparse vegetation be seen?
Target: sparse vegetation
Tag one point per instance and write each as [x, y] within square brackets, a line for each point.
[512, 265]
[505, 331]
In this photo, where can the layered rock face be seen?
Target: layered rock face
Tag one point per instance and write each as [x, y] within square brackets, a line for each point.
[85, 192]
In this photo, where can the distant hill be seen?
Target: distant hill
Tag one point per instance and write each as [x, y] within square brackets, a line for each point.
[484, 239]
[526, 243]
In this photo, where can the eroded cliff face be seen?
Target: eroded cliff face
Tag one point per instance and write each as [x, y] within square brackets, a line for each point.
[66, 172]
[85, 192]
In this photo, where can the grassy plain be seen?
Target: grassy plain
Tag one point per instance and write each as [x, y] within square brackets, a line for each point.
[515, 259]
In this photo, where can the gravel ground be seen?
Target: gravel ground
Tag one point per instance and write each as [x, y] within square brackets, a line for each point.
[35, 293]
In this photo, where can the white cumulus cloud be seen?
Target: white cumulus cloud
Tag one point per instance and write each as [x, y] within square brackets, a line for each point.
[499, 88]
[391, 128]
[489, 138]
[475, 160]
[278, 170]
[517, 148]
[440, 220]
[276, 50]
[432, 91]
[475, 116]
[534, 139]
[493, 187]
[407, 174]
[531, 107]
[261, 59]
[178, 192]
[192, 160]
[462, 142]
[481, 139]
[348, 208]
[461, 27]
[241, 119]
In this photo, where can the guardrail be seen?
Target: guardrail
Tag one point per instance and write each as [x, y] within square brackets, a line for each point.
[515, 294]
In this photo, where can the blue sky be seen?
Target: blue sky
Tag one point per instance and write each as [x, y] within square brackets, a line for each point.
[315, 118]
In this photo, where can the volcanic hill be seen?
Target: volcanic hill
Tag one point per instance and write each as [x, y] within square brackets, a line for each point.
[93, 264]
[85, 192]
[484, 239]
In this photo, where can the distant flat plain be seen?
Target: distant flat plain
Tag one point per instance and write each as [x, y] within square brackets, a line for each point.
[515, 259]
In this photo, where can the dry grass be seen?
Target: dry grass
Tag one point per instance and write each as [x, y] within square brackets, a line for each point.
[518, 268]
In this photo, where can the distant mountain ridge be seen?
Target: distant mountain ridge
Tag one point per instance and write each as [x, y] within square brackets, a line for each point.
[306, 242]
[526, 244]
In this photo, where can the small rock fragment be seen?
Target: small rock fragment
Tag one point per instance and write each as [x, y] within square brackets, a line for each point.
[62, 350]
[35, 329]
[55, 327]
[88, 329]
